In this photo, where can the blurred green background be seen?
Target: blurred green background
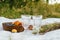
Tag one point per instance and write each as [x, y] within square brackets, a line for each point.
[16, 8]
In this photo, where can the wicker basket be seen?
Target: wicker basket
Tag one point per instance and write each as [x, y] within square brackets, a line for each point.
[8, 26]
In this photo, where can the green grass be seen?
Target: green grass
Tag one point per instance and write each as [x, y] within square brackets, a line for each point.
[10, 13]
[48, 11]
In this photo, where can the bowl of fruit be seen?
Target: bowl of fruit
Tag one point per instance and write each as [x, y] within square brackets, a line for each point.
[13, 26]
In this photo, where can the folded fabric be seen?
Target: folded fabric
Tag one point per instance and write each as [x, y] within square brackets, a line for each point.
[50, 20]
[5, 35]
[26, 35]
[53, 35]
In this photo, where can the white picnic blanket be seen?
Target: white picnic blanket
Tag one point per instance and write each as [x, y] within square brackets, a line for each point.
[27, 34]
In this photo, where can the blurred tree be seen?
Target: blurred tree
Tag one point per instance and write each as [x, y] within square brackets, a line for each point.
[11, 3]
[47, 1]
